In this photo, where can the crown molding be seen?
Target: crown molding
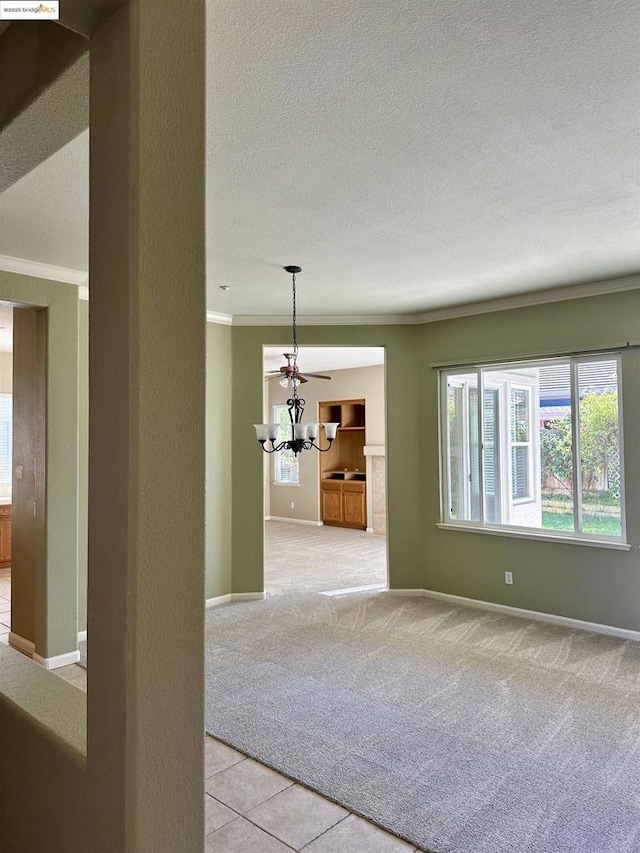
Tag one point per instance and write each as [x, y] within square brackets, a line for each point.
[326, 320]
[38, 270]
[526, 300]
[507, 303]
[221, 319]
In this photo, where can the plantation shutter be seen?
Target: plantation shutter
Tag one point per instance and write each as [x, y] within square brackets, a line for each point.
[520, 472]
[474, 455]
[520, 447]
[491, 455]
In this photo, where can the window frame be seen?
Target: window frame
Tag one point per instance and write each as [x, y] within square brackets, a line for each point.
[577, 535]
[277, 456]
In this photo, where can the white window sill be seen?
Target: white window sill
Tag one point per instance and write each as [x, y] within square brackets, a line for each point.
[289, 485]
[543, 537]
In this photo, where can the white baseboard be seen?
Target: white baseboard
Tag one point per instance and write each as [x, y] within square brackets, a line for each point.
[379, 587]
[82, 636]
[538, 615]
[295, 520]
[235, 596]
[415, 593]
[57, 660]
[219, 599]
[25, 646]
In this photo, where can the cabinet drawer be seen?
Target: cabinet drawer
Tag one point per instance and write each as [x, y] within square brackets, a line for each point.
[353, 486]
[332, 485]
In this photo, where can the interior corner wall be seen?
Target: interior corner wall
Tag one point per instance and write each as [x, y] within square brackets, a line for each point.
[218, 464]
[349, 384]
[403, 430]
[593, 584]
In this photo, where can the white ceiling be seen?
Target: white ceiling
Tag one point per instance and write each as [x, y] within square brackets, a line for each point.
[408, 155]
[316, 359]
[45, 215]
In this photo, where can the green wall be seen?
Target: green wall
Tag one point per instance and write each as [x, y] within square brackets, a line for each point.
[218, 466]
[573, 580]
[595, 584]
[405, 539]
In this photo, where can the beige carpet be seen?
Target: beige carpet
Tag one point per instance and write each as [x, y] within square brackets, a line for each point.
[460, 730]
[301, 558]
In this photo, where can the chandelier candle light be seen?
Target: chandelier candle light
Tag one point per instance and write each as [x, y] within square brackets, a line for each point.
[303, 436]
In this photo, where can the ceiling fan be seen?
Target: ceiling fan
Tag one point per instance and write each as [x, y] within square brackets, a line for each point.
[291, 373]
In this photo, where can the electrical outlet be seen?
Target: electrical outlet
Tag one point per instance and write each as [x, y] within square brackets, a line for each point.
[508, 577]
[293, 506]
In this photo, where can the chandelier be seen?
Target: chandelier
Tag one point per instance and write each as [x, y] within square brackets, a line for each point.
[303, 436]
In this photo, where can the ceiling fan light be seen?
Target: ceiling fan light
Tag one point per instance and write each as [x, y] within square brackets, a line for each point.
[284, 382]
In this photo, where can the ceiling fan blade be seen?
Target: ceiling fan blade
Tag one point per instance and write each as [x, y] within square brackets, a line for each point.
[317, 376]
[269, 372]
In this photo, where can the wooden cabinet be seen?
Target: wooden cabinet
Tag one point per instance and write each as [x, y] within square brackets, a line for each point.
[343, 499]
[344, 503]
[5, 535]
[331, 498]
[354, 504]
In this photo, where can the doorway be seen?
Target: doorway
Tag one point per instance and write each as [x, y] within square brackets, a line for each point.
[325, 527]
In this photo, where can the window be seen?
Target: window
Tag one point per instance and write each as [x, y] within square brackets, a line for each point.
[6, 429]
[542, 451]
[285, 461]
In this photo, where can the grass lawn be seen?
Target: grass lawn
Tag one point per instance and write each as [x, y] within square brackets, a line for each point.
[592, 524]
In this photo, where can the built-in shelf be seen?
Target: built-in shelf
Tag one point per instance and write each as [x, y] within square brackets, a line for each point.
[343, 468]
[344, 475]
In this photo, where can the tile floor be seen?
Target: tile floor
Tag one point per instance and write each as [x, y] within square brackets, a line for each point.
[250, 808]
[5, 605]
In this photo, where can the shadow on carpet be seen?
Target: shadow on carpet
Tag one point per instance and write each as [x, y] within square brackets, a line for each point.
[460, 730]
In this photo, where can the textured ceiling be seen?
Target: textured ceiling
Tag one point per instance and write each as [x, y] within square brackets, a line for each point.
[44, 217]
[408, 155]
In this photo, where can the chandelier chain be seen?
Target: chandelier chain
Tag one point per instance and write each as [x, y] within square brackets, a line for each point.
[295, 338]
[295, 331]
